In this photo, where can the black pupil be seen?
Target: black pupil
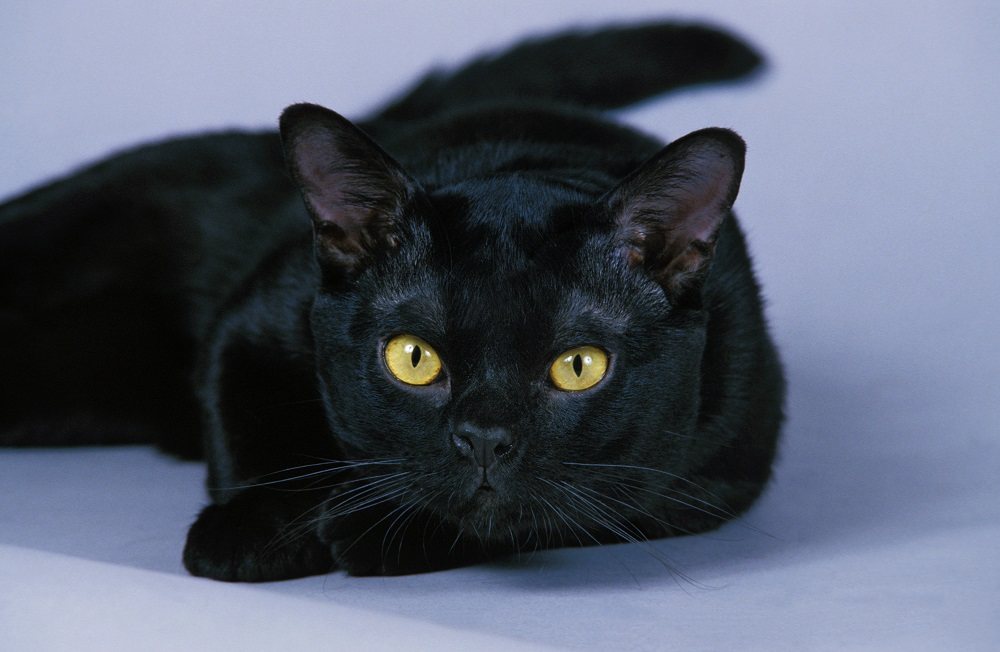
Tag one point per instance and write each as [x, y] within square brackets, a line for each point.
[577, 365]
[415, 356]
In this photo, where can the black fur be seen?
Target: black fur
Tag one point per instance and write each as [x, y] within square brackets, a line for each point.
[177, 289]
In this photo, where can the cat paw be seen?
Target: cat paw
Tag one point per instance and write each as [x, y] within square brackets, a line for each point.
[363, 545]
[250, 541]
[360, 545]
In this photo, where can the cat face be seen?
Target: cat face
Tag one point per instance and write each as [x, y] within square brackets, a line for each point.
[502, 338]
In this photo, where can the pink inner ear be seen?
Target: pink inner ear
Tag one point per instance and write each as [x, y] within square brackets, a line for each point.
[698, 209]
[354, 190]
[686, 206]
[313, 149]
[670, 211]
[348, 182]
[316, 153]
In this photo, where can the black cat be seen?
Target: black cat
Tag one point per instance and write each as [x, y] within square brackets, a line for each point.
[513, 324]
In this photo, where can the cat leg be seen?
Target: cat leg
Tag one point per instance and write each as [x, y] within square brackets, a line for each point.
[259, 536]
[272, 462]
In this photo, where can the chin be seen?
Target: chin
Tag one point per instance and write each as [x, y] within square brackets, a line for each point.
[487, 515]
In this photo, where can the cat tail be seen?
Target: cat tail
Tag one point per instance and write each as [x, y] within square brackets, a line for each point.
[601, 69]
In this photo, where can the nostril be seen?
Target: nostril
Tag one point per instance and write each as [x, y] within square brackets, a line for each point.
[483, 446]
[463, 444]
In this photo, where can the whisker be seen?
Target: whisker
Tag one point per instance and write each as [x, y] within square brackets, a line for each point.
[409, 513]
[635, 507]
[408, 517]
[647, 469]
[674, 476]
[634, 483]
[607, 520]
[514, 544]
[458, 537]
[365, 500]
[305, 526]
[629, 532]
[356, 498]
[352, 481]
[329, 469]
[723, 514]
[405, 511]
[375, 524]
[566, 519]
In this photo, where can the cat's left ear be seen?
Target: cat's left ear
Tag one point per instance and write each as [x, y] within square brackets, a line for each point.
[354, 190]
[668, 212]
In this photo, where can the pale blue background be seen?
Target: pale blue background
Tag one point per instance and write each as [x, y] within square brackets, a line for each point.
[871, 200]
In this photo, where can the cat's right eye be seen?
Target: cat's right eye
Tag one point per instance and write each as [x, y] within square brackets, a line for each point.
[412, 360]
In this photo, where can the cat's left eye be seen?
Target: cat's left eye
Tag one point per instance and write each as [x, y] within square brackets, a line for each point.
[578, 369]
[412, 360]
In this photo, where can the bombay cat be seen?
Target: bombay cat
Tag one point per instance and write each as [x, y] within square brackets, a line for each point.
[486, 319]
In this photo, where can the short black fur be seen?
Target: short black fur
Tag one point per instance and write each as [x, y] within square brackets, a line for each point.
[178, 290]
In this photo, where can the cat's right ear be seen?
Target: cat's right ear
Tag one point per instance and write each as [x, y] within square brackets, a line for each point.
[354, 191]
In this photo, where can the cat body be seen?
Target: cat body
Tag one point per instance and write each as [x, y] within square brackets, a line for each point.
[484, 320]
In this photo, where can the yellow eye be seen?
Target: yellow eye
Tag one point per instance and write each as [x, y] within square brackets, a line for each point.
[412, 360]
[579, 368]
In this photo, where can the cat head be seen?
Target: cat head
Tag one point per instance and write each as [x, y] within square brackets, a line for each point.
[505, 337]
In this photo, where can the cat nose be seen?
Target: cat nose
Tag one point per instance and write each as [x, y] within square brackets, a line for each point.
[482, 445]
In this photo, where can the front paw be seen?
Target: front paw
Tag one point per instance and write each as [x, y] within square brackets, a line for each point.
[381, 542]
[254, 539]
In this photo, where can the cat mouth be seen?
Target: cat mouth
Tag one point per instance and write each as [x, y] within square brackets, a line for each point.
[487, 515]
[484, 498]
[484, 484]
[481, 485]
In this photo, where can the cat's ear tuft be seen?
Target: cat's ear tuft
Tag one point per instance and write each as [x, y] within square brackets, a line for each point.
[354, 191]
[669, 211]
